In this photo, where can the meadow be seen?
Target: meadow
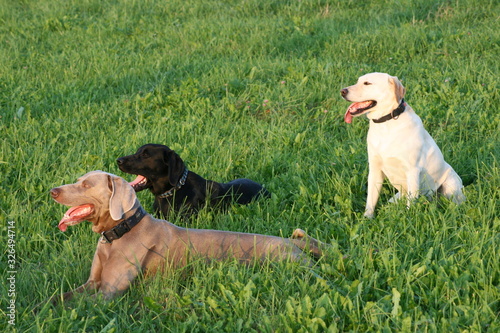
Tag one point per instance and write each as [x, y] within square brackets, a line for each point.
[250, 88]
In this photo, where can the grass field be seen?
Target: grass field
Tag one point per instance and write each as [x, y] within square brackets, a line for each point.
[251, 89]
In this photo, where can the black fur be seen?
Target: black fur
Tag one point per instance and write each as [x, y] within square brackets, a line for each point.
[163, 169]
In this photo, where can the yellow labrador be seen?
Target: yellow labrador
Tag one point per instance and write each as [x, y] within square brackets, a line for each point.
[133, 241]
[399, 147]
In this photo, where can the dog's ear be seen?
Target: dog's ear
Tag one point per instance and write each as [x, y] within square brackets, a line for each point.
[175, 166]
[399, 90]
[122, 197]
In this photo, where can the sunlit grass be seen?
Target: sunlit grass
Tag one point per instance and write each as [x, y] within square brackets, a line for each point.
[251, 89]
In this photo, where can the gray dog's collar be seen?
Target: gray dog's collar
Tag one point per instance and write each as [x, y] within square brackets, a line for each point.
[393, 115]
[181, 182]
[123, 227]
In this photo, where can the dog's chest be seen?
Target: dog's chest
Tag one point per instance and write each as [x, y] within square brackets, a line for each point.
[386, 144]
[395, 139]
[391, 149]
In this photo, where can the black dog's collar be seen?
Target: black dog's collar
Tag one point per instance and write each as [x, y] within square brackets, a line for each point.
[181, 182]
[123, 227]
[393, 115]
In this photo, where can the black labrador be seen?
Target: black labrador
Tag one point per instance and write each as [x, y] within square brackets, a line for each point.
[161, 169]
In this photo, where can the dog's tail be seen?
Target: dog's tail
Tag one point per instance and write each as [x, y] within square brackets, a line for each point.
[307, 243]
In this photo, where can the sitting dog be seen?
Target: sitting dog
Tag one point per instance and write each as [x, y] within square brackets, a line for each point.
[161, 169]
[133, 241]
[399, 147]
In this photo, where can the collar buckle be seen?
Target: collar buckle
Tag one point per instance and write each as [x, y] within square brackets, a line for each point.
[105, 238]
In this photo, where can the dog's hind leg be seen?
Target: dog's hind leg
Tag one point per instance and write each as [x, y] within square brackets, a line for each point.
[452, 188]
[304, 241]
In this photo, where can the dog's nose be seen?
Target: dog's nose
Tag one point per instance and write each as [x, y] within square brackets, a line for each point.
[119, 161]
[344, 92]
[55, 192]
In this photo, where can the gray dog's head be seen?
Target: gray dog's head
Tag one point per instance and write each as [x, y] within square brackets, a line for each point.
[98, 197]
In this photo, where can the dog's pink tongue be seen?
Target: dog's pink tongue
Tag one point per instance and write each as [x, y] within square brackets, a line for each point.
[137, 180]
[348, 116]
[74, 215]
[353, 108]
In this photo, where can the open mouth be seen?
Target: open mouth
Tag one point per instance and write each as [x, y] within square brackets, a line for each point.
[75, 215]
[139, 183]
[357, 109]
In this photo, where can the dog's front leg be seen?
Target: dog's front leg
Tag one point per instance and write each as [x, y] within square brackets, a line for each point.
[116, 279]
[92, 284]
[54, 300]
[375, 181]
[89, 286]
[412, 185]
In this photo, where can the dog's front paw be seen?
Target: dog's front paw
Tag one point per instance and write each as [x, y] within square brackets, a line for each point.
[369, 214]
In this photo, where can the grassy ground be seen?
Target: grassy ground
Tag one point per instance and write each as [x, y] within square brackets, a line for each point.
[251, 88]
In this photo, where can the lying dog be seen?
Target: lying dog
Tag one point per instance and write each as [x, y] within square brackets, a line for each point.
[399, 147]
[161, 169]
[132, 241]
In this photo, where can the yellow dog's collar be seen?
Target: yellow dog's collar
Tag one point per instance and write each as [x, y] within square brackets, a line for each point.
[393, 115]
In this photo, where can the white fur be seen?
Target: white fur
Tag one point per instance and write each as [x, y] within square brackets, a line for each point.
[400, 149]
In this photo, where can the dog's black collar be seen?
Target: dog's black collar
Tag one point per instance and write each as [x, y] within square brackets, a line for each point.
[123, 227]
[181, 182]
[393, 115]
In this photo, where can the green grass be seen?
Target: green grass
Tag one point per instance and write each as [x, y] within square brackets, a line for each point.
[251, 88]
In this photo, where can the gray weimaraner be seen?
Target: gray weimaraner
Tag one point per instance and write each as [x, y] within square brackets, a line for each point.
[133, 241]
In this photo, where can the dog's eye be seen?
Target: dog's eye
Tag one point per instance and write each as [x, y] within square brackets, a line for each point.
[144, 154]
[85, 184]
[366, 83]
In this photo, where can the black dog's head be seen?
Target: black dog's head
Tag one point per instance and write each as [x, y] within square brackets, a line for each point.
[158, 168]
